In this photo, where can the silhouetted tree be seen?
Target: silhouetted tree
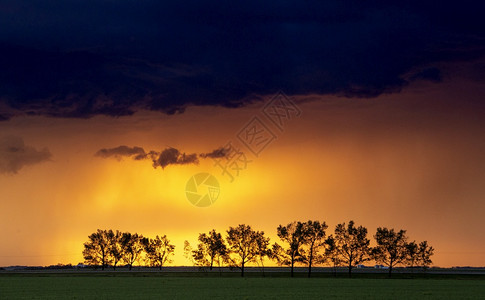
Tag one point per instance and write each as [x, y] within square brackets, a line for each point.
[242, 241]
[292, 234]
[348, 246]
[313, 238]
[132, 248]
[188, 252]
[425, 252]
[114, 247]
[263, 249]
[278, 253]
[412, 254]
[391, 247]
[211, 248]
[159, 250]
[352, 244]
[332, 253]
[96, 250]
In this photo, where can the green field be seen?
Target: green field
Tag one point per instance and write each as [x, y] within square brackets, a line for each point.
[149, 286]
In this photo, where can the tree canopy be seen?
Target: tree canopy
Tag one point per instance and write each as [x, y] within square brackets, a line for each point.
[302, 243]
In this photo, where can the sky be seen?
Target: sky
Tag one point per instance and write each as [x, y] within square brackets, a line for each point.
[108, 108]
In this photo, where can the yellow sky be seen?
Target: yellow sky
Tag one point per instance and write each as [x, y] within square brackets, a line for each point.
[411, 161]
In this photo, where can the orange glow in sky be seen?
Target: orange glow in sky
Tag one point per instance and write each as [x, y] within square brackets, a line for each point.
[393, 161]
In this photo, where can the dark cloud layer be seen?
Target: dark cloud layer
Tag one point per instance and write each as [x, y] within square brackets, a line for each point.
[14, 155]
[80, 59]
[168, 156]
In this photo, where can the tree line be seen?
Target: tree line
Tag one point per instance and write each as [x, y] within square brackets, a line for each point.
[303, 243]
[109, 248]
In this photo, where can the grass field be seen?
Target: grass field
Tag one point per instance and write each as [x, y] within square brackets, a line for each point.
[184, 286]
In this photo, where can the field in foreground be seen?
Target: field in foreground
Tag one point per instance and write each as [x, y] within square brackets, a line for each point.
[111, 286]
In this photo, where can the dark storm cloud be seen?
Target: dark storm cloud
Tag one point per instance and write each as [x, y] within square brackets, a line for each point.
[431, 74]
[217, 153]
[14, 155]
[79, 59]
[172, 156]
[136, 152]
[168, 156]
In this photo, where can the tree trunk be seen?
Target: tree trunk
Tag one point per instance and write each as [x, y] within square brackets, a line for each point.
[310, 267]
[212, 262]
[242, 269]
[390, 271]
[130, 267]
[350, 270]
[292, 263]
[310, 262]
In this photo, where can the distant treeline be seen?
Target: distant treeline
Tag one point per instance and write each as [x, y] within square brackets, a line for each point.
[304, 243]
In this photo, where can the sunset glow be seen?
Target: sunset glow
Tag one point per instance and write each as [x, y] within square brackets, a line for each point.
[420, 171]
[391, 133]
